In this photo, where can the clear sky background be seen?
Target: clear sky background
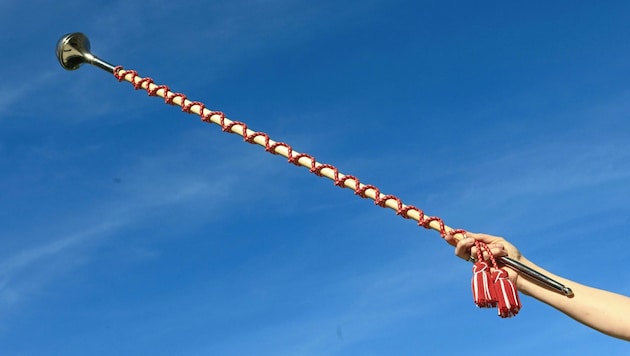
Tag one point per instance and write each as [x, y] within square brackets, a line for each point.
[130, 228]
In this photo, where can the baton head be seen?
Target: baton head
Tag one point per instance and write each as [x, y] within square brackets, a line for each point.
[73, 50]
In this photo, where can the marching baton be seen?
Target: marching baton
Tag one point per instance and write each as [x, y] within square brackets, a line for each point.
[74, 50]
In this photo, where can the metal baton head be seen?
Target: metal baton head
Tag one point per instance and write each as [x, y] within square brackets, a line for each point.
[74, 49]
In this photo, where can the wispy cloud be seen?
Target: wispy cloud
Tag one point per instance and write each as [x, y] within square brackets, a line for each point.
[28, 270]
[233, 31]
[18, 91]
[150, 187]
[551, 168]
[346, 308]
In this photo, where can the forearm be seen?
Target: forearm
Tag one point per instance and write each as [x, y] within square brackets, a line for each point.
[599, 309]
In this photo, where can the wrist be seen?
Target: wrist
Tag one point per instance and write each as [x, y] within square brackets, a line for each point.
[523, 282]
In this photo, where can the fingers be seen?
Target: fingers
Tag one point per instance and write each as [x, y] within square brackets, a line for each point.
[466, 249]
[497, 250]
[451, 239]
[487, 239]
[463, 248]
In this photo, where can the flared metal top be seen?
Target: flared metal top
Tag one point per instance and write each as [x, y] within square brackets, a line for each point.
[74, 49]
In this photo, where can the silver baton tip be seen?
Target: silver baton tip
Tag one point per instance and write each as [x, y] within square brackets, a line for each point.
[74, 49]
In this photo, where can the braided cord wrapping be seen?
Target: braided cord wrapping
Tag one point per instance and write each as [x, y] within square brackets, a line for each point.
[285, 150]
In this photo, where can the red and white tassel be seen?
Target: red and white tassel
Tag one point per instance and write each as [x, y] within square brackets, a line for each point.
[508, 301]
[482, 286]
[491, 286]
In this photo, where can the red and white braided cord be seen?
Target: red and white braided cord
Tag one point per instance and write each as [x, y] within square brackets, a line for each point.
[285, 150]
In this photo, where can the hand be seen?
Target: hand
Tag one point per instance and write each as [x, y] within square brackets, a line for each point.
[465, 248]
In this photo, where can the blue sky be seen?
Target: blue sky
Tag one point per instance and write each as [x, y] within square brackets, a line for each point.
[128, 227]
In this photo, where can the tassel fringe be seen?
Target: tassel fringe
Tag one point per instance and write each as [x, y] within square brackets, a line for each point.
[508, 300]
[491, 286]
[482, 286]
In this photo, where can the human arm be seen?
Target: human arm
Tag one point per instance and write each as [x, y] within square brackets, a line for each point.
[602, 310]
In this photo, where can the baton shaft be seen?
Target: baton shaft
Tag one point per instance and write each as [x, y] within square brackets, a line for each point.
[74, 50]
